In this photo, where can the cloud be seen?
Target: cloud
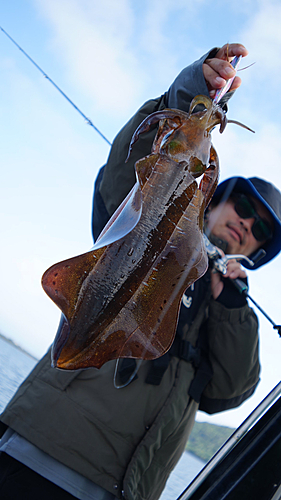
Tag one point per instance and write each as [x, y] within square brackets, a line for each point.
[27, 315]
[121, 53]
[166, 40]
[262, 36]
[248, 155]
[93, 39]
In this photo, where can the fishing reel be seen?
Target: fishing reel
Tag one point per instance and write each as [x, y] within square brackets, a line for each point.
[220, 262]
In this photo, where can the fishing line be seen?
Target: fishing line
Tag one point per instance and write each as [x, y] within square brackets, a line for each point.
[88, 121]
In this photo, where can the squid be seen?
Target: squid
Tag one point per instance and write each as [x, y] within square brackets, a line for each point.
[122, 298]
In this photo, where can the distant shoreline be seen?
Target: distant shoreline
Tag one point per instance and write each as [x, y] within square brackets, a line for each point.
[10, 341]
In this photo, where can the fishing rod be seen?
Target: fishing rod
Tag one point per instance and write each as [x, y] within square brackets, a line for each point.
[88, 121]
[220, 264]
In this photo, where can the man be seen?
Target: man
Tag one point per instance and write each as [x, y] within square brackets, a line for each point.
[73, 434]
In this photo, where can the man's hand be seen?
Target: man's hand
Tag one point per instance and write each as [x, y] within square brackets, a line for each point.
[218, 70]
[234, 270]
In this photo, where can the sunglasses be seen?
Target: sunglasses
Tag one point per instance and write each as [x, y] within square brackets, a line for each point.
[261, 229]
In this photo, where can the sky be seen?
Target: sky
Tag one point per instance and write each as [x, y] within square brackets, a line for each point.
[109, 57]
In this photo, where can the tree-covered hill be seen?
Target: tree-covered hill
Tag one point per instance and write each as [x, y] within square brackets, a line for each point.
[206, 439]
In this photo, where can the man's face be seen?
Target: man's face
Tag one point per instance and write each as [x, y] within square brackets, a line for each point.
[224, 222]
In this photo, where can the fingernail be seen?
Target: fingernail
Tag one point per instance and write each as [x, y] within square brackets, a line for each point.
[228, 71]
[220, 81]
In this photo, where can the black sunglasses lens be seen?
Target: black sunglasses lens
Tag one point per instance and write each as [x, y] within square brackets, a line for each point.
[244, 208]
[261, 230]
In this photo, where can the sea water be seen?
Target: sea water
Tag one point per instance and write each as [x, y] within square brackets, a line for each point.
[15, 365]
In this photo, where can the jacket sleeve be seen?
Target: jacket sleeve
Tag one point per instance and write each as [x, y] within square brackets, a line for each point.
[116, 178]
[233, 353]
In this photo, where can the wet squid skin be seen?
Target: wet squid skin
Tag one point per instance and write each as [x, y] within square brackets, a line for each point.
[122, 298]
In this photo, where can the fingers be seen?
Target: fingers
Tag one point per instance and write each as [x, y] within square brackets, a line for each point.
[229, 50]
[234, 270]
[217, 72]
[218, 69]
[236, 83]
